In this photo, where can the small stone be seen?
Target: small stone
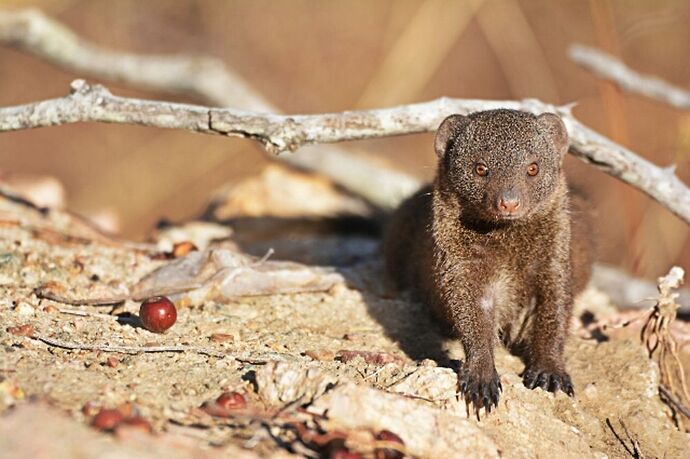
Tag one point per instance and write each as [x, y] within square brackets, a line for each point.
[90, 409]
[22, 330]
[221, 337]
[373, 357]
[320, 354]
[231, 401]
[24, 309]
[590, 391]
[112, 362]
[183, 248]
[107, 420]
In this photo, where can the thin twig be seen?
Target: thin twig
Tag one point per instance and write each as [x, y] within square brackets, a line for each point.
[613, 69]
[80, 313]
[674, 401]
[242, 357]
[633, 441]
[46, 294]
[128, 349]
[279, 132]
[633, 453]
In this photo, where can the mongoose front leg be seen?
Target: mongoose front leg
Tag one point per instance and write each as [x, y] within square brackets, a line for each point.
[473, 320]
[545, 364]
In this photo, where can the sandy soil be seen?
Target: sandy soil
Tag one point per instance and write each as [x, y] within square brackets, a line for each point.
[321, 372]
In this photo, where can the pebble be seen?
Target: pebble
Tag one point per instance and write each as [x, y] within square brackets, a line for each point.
[590, 391]
[24, 309]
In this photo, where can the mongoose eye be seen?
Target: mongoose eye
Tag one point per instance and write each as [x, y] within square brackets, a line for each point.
[533, 169]
[481, 169]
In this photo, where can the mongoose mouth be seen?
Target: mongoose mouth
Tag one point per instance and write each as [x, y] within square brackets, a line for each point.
[511, 217]
[508, 217]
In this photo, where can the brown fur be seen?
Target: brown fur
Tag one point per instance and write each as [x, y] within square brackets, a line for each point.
[487, 272]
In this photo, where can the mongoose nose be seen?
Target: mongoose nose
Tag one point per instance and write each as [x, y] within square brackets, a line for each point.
[509, 202]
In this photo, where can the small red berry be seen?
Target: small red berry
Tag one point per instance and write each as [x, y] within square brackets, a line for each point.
[107, 420]
[157, 314]
[231, 401]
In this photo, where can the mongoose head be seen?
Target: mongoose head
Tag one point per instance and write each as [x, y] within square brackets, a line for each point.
[503, 165]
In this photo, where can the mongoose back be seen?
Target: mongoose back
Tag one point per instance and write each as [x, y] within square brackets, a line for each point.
[497, 246]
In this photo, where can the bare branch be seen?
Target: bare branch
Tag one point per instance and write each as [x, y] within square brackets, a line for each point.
[613, 69]
[204, 77]
[197, 76]
[280, 132]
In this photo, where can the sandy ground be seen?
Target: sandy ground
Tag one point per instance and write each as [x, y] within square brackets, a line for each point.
[321, 372]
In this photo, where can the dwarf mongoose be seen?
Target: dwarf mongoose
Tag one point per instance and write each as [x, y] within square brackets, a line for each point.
[497, 246]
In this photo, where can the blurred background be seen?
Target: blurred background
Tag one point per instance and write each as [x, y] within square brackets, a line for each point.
[308, 56]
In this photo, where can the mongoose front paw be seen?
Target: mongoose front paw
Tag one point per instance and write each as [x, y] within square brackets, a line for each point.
[552, 381]
[479, 390]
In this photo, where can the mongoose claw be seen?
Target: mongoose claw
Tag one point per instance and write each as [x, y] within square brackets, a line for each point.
[548, 380]
[478, 391]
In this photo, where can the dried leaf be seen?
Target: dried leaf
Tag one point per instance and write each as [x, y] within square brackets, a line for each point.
[224, 273]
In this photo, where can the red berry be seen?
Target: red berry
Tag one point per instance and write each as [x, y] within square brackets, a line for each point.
[107, 420]
[157, 314]
[231, 401]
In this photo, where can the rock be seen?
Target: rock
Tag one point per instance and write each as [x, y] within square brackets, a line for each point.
[426, 430]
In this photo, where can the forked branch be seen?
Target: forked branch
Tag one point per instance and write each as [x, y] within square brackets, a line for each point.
[279, 133]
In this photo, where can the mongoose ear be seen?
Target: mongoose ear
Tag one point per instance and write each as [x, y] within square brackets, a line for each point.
[552, 126]
[450, 128]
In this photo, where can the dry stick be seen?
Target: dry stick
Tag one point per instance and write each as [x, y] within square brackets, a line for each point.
[635, 444]
[632, 453]
[674, 401]
[207, 78]
[613, 69]
[78, 312]
[280, 132]
[244, 358]
[46, 294]
[127, 349]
